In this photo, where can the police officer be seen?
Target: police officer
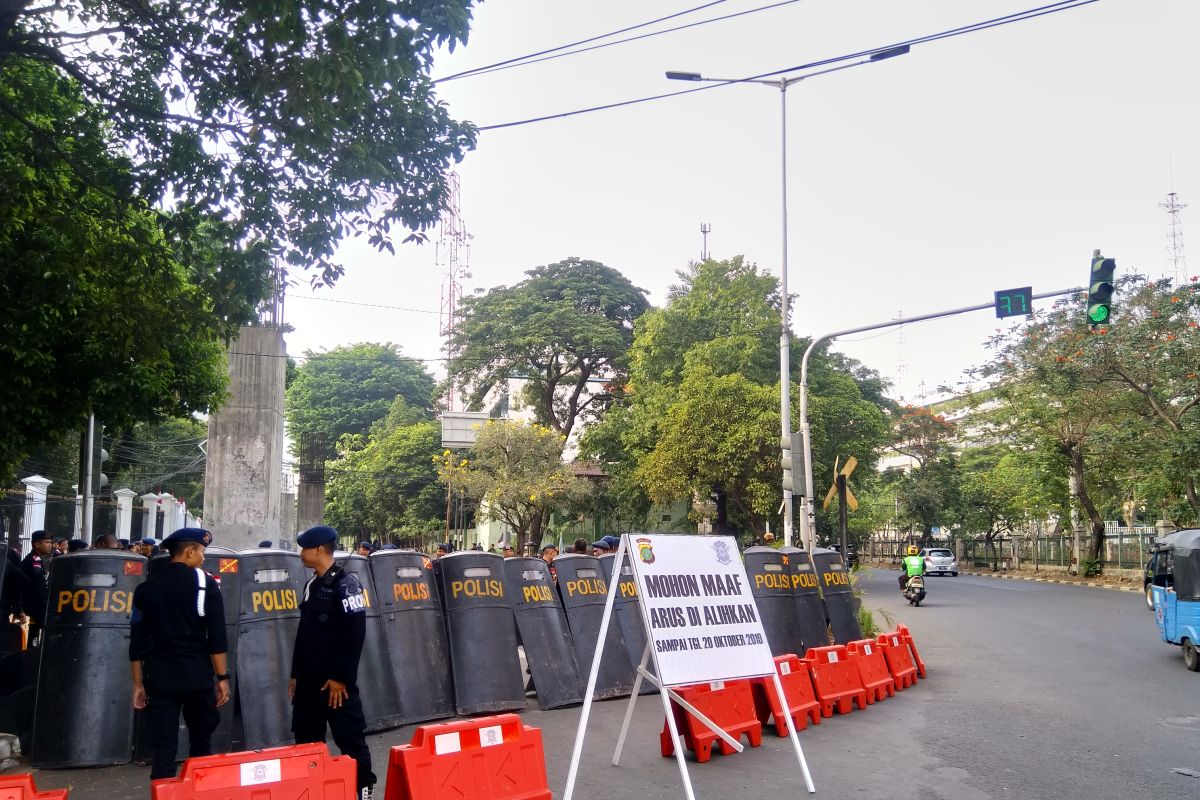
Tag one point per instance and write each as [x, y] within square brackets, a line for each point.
[177, 648]
[324, 681]
[36, 568]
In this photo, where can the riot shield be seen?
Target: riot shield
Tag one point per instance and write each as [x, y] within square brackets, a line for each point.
[628, 614]
[810, 610]
[411, 616]
[839, 599]
[270, 586]
[380, 700]
[482, 633]
[83, 715]
[545, 635]
[771, 582]
[583, 589]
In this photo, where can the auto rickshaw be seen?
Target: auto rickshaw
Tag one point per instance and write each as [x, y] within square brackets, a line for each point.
[1177, 601]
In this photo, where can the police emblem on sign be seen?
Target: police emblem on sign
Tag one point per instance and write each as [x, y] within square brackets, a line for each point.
[722, 551]
[260, 772]
[645, 551]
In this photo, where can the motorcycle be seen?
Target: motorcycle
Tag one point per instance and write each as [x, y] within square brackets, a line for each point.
[914, 590]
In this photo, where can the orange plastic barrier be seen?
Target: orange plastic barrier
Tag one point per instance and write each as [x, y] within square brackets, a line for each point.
[730, 704]
[485, 758]
[797, 687]
[899, 659]
[904, 632]
[20, 787]
[297, 772]
[835, 679]
[872, 668]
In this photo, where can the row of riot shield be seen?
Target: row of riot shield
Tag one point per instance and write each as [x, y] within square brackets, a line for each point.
[441, 639]
[802, 601]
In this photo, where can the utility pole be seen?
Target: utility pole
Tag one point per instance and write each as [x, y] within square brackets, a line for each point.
[705, 228]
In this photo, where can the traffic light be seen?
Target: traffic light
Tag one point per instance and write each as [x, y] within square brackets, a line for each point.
[792, 461]
[1100, 290]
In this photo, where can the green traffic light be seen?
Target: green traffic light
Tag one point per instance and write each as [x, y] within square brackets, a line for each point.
[1098, 313]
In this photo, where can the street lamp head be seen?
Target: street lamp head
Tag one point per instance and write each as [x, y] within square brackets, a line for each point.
[684, 76]
[886, 54]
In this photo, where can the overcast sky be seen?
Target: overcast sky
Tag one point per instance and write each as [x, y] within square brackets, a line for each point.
[993, 160]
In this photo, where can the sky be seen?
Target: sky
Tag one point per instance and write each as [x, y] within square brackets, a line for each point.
[994, 160]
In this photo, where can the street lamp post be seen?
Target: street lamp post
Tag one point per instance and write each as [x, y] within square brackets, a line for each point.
[785, 371]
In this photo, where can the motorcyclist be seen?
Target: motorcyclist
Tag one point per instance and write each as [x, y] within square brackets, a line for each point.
[912, 565]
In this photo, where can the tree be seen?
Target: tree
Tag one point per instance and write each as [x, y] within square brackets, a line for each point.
[562, 329]
[515, 471]
[103, 310]
[385, 485]
[161, 457]
[347, 389]
[921, 434]
[296, 123]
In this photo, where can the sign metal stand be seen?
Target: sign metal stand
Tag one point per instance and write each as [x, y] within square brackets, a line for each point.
[667, 694]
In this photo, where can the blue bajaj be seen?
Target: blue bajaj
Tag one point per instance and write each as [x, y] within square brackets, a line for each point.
[1177, 602]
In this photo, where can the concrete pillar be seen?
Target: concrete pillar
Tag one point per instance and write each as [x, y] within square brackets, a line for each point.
[170, 507]
[77, 528]
[181, 516]
[243, 479]
[150, 507]
[287, 516]
[35, 508]
[311, 506]
[124, 511]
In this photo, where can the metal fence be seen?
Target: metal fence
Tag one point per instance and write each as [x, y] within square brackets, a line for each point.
[1123, 548]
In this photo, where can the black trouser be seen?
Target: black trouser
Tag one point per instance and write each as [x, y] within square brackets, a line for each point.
[200, 714]
[311, 713]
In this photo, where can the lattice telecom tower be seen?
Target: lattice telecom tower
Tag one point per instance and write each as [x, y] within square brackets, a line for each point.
[1175, 238]
[453, 256]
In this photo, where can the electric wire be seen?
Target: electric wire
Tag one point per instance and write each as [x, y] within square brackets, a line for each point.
[1021, 16]
[589, 40]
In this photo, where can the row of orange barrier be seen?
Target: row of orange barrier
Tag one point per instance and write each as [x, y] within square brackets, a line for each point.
[500, 758]
[837, 678]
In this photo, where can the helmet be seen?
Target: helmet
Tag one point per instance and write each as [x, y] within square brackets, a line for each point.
[912, 550]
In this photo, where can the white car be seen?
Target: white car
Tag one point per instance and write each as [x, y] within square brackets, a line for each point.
[939, 561]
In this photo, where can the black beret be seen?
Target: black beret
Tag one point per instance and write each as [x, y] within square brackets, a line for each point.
[75, 545]
[444, 547]
[317, 536]
[265, 543]
[197, 535]
[38, 536]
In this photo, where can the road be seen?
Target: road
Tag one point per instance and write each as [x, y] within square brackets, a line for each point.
[1035, 691]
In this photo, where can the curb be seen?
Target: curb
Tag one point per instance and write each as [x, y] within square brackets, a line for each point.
[1091, 584]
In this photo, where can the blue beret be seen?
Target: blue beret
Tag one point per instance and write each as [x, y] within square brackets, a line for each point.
[445, 547]
[197, 535]
[613, 542]
[317, 536]
[150, 541]
[603, 545]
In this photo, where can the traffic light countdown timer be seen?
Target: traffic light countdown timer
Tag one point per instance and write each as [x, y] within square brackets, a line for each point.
[1100, 290]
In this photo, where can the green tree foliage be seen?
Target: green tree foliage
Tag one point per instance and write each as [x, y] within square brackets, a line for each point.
[385, 485]
[296, 123]
[563, 329]
[160, 457]
[103, 308]
[515, 471]
[712, 352]
[348, 389]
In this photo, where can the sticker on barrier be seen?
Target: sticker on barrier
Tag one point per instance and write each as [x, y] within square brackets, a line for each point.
[488, 758]
[899, 659]
[730, 704]
[836, 680]
[305, 771]
[872, 668]
[797, 687]
[21, 787]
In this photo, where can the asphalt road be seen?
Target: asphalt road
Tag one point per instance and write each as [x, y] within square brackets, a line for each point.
[1034, 691]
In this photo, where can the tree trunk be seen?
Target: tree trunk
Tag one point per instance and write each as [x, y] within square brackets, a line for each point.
[1189, 485]
[1075, 454]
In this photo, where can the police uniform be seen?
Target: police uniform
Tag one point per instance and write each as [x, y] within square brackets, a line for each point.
[177, 625]
[329, 642]
[36, 569]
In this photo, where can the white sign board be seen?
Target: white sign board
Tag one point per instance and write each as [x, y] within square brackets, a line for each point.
[700, 615]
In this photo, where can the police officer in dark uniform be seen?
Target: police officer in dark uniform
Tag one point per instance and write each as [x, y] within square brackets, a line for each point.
[177, 650]
[329, 641]
[36, 568]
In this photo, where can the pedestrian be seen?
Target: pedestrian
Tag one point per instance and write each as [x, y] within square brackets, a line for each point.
[580, 546]
[36, 568]
[16, 585]
[549, 553]
[443, 549]
[364, 548]
[105, 541]
[76, 545]
[599, 547]
[324, 682]
[507, 551]
[124, 544]
[59, 546]
[178, 651]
